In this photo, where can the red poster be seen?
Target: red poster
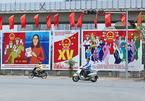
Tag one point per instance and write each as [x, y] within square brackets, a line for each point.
[14, 46]
[65, 48]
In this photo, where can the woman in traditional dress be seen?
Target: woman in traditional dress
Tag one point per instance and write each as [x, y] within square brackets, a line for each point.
[136, 41]
[106, 53]
[101, 53]
[116, 54]
[133, 47]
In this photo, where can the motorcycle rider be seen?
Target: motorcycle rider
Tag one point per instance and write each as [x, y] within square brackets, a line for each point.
[39, 68]
[86, 68]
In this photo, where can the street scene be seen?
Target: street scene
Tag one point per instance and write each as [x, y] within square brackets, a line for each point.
[66, 50]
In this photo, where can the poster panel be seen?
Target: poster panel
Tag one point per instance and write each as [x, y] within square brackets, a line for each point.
[107, 50]
[65, 47]
[24, 50]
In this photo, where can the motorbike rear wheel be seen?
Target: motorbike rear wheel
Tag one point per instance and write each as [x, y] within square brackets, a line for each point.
[75, 78]
[44, 75]
[94, 79]
[30, 75]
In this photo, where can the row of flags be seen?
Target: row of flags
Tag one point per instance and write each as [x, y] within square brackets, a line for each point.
[71, 20]
[123, 19]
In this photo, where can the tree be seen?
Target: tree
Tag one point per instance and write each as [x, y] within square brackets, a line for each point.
[71, 64]
[141, 31]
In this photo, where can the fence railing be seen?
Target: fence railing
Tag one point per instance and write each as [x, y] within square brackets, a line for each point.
[71, 5]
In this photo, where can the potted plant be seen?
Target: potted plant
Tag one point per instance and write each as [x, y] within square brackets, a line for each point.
[71, 63]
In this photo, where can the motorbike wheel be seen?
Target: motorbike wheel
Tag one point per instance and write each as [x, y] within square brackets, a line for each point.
[75, 78]
[94, 79]
[30, 75]
[44, 75]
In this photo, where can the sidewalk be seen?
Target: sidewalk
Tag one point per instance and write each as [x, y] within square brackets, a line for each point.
[66, 77]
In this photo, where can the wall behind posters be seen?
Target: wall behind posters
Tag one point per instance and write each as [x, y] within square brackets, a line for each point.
[20, 50]
[65, 47]
[106, 49]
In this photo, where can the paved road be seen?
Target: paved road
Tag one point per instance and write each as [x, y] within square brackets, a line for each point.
[58, 89]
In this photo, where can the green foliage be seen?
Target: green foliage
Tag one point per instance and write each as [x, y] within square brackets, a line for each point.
[1, 73]
[71, 64]
[141, 28]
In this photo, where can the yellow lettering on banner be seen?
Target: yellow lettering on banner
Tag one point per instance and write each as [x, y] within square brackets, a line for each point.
[61, 55]
[69, 55]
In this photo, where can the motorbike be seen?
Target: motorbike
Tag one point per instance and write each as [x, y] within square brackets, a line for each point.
[92, 76]
[41, 74]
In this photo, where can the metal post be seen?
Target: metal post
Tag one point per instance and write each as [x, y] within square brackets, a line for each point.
[20, 7]
[112, 3]
[136, 3]
[54, 5]
[75, 4]
[10, 6]
[35, 6]
[5, 7]
[80, 3]
[85, 4]
[49, 5]
[126, 45]
[59, 5]
[107, 3]
[15, 5]
[102, 4]
[25, 7]
[117, 3]
[141, 3]
[69, 4]
[125, 4]
[130, 3]
[96, 3]
[29, 6]
[65, 5]
[91, 4]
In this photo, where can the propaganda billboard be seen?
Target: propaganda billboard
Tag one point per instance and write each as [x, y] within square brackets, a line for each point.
[65, 47]
[107, 50]
[24, 50]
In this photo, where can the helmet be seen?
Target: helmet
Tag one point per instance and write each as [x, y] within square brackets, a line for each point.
[39, 62]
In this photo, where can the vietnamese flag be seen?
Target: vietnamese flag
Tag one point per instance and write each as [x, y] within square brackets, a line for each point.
[48, 19]
[36, 18]
[95, 21]
[79, 24]
[108, 19]
[23, 21]
[11, 22]
[123, 19]
[1, 22]
[139, 20]
[56, 20]
[72, 20]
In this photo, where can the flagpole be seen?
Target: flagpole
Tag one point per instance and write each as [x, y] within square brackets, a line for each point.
[126, 44]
